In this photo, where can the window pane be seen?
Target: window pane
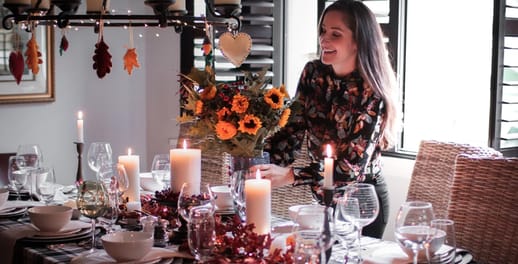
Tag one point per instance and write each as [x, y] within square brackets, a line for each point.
[446, 93]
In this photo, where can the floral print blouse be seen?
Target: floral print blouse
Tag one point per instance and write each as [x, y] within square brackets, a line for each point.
[341, 111]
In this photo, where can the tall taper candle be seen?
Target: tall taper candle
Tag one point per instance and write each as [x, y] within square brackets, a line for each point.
[185, 167]
[80, 131]
[328, 168]
[258, 200]
[132, 165]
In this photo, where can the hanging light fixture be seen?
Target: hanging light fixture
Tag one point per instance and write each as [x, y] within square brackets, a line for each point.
[166, 13]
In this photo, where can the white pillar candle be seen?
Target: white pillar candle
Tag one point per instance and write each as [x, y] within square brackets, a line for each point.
[227, 2]
[80, 131]
[328, 168]
[185, 167]
[258, 201]
[96, 6]
[41, 4]
[133, 206]
[179, 5]
[132, 165]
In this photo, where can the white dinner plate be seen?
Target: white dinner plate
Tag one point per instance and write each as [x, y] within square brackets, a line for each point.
[102, 256]
[82, 233]
[15, 212]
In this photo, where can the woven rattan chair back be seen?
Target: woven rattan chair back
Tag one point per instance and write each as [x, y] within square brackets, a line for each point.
[286, 196]
[484, 203]
[432, 175]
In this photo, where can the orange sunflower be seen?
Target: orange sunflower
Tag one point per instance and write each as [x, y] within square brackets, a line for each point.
[250, 124]
[225, 130]
[274, 98]
[284, 117]
[199, 107]
[239, 103]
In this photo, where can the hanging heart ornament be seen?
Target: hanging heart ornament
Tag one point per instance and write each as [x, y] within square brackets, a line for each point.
[235, 47]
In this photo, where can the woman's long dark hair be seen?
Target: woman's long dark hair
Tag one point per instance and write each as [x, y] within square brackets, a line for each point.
[372, 60]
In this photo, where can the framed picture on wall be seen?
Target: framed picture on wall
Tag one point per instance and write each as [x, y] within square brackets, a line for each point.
[32, 87]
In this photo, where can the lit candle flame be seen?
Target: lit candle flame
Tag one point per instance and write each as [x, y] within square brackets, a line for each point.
[258, 174]
[184, 144]
[329, 152]
[129, 151]
[80, 115]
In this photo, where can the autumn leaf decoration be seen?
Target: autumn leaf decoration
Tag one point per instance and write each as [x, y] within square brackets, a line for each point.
[102, 57]
[130, 58]
[16, 65]
[63, 45]
[33, 55]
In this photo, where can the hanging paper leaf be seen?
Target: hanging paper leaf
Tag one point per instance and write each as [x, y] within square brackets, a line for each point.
[206, 47]
[102, 59]
[16, 65]
[130, 60]
[63, 45]
[33, 55]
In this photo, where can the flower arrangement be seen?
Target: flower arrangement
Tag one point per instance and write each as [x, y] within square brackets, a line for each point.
[235, 117]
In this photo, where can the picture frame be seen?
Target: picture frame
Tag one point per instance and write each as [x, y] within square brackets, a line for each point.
[32, 88]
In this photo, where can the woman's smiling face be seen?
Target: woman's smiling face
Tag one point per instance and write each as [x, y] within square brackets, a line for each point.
[338, 47]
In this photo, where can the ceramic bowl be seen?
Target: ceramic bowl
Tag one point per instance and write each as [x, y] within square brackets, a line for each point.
[223, 197]
[4, 195]
[127, 245]
[50, 218]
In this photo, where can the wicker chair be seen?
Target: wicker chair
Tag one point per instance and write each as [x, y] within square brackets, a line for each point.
[286, 196]
[483, 204]
[432, 175]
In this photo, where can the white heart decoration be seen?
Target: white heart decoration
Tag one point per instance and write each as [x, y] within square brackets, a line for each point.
[235, 47]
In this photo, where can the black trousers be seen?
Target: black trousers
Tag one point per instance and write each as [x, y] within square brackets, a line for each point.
[376, 228]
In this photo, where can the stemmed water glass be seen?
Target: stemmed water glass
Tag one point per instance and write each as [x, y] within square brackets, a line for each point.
[161, 169]
[31, 158]
[45, 182]
[17, 177]
[190, 197]
[347, 212]
[413, 228]
[115, 179]
[201, 232]
[92, 201]
[368, 206]
[98, 154]
[310, 238]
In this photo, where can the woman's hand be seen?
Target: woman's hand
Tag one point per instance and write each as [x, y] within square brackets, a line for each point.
[279, 176]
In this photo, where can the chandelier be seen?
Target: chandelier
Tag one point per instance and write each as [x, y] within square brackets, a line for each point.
[166, 13]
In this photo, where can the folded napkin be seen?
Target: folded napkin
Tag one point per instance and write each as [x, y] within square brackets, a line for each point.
[156, 253]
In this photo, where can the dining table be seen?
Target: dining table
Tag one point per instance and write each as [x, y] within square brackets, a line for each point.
[19, 244]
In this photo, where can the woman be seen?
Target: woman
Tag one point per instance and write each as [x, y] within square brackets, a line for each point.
[343, 99]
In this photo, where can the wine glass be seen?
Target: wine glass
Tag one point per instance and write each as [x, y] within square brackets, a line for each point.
[190, 197]
[92, 201]
[114, 178]
[442, 246]
[17, 177]
[98, 154]
[412, 228]
[347, 212]
[310, 237]
[31, 156]
[368, 206]
[45, 182]
[161, 168]
[201, 233]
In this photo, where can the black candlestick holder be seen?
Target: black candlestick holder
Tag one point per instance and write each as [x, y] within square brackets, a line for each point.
[79, 174]
[327, 235]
